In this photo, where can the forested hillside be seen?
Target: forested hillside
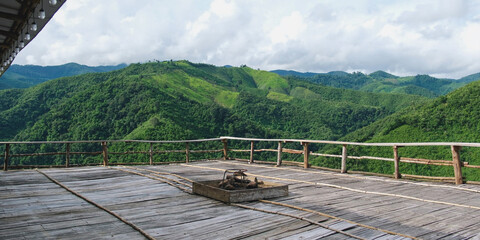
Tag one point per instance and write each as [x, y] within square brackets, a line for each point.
[450, 118]
[381, 81]
[182, 100]
[112, 105]
[19, 76]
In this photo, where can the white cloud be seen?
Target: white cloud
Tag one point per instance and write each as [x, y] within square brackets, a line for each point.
[290, 28]
[223, 8]
[403, 37]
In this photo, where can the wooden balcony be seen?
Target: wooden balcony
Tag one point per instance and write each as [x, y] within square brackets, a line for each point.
[155, 201]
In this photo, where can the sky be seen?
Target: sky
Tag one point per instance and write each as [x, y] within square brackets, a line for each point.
[404, 37]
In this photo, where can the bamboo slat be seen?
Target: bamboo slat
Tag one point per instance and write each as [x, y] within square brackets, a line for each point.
[205, 151]
[130, 152]
[67, 155]
[266, 150]
[471, 166]
[187, 153]
[105, 153]
[429, 177]
[37, 154]
[293, 151]
[279, 154]
[325, 155]
[429, 160]
[5, 160]
[371, 158]
[151, 153]
[427, 163]
[85, 153]
[238, 150]
[343, 168]
[225, 149]
[457, 165]
[306, 154]
[252, 149]
[396, 160]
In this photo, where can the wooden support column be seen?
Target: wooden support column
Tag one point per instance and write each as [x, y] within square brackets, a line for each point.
[187, 153]
[225, 149]
[151, 153]
[7, 155]
[396, 162]
[279, 154]
[306, 154]
[251, 152]
[457, 164]
[344, 159]
[105, 153]
[67, 155]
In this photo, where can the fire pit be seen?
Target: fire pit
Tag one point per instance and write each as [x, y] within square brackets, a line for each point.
[236, 186]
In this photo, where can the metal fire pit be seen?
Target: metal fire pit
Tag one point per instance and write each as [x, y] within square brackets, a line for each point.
[265, 190]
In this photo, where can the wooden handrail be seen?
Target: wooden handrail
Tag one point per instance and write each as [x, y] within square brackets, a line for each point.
[116, 141]
[455, 147]
[411, 144]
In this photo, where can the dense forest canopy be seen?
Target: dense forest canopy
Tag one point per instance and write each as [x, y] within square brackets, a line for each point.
[381, 81]
[112, 105]
[177, 100]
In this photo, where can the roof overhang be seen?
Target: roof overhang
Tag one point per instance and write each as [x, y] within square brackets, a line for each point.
[16, 19]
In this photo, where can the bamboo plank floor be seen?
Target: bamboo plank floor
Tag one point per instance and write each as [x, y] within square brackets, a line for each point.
[33, 207]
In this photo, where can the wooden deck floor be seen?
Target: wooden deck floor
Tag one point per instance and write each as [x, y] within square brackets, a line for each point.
[33, 207]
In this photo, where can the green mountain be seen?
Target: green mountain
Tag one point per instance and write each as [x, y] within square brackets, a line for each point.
[383, 82]
[382, 75]
[183, 100]
[24, 76]
[450, 118]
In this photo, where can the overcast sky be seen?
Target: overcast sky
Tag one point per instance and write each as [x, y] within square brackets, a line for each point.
[404, 37]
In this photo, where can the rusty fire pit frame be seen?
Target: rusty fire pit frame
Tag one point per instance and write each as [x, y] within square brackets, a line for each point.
[264, 191]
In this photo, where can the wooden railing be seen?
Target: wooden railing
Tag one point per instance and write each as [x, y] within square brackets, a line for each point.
[455, 148]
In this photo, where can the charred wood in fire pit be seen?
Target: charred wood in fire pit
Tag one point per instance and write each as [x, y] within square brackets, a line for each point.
[237, 180]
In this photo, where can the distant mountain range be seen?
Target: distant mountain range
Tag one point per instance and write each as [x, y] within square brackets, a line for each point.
[381, 81]
[24, 76]
[183, 100]
[175, 100]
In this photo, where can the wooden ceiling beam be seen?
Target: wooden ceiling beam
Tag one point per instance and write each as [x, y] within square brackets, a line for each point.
[10, 16]
[7, 34]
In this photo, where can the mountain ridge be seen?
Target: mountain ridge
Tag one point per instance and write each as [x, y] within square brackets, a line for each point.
[24, 76]
[381, 81]
[182, 82]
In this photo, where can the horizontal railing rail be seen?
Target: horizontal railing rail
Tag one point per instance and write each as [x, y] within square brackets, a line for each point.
[455, 148]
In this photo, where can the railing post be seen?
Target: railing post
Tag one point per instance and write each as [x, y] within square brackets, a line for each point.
[7, 154]
[279, 154]
[251, 152]
[396, 162]
[344, 159]
[67, 155]
[225, 149]
[306, 154]
[187, 153]
[105, 153]
[151, 153]
[457, 164]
